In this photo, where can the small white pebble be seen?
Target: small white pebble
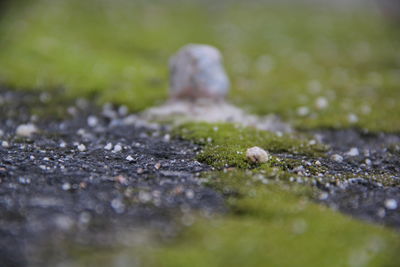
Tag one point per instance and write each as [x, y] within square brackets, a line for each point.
[81, 147]
[318, 163]
[108, 146]
[321, 103]
[353, 152]
[303, 111]
[337, 158]
[63, 145]
[257, 154]
[391, 204]
[352, 118]
[26, 130]
[31, 157]
[129, 158]
[5, 144]
[368, 162]
[167, 137]
[123, 110]
[117, 148]
[92, 121]
[66, 186]
[157, 166]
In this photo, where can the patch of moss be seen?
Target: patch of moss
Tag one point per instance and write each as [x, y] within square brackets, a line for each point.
[276, 225]
[225, 144]
[279, 57]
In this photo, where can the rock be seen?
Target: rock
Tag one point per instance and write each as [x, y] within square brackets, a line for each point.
[26, 130]
[353, 152]
[391, 204]
[81, 147]
[196, 72]
[337, 158]
[257, 155]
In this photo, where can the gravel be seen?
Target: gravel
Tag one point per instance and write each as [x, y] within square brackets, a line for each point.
[82, 180]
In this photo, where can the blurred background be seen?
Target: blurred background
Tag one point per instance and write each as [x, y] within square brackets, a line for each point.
[315, 63]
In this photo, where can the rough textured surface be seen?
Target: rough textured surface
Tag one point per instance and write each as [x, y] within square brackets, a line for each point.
[52, 191]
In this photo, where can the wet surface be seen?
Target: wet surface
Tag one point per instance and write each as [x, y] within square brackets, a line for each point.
[88, 177]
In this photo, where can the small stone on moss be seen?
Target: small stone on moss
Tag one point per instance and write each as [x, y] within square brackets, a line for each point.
[257, 155]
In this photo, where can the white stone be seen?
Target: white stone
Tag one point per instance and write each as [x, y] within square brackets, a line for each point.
[303, 111]
[391, 204]
[129, 158]
[337, 158]
[353, 152]
[196, 71]
[92, 121]
[257, 154]
[117, 148]
[26, 130]
[108, 146]
[5, 144]
[321, 103]
[81, 147]
[352, 118]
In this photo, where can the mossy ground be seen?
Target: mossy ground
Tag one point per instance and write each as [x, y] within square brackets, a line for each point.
[279, 58]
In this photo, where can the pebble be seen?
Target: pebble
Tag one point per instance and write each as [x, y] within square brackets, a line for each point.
[337, 158]
[92, 121]
[129, 158]
[81, 147]
[117, 148]
[5, 144]
[321, 103]
[391, 204]
[353, 152]
[157, 166]
[303, 111]
[108, 146]
[257, 154]
[26, 130]
[66, 186]
[197, 72]
[352, 118]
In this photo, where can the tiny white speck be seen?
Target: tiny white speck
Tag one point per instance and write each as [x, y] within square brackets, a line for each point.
[117, 148]
[81, 147]
[391, 204]
[92, 121]
[353, 152]
[5, 144]
[303, 111]
[129, 158]
[352, 118]
[66, 186]
[108, 146]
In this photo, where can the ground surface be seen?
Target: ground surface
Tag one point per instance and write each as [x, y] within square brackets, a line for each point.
[332, 72]
[56, 200]
[51, 192]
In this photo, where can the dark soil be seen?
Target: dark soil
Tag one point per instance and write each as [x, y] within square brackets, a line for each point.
[53, 193]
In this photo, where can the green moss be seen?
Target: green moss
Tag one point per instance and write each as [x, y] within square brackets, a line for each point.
[279, 57]
[225, 145]
[275, 225]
